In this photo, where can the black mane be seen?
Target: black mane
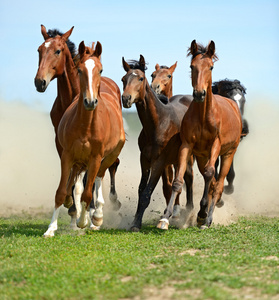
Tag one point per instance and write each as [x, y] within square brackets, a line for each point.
[226, 85]
[54, 32]
[164, 67]
[201, 50]
[135, 65]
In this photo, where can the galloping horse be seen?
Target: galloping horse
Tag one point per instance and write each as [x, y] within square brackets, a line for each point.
[211, 127]
[234, 90]
[91, 134]
[162, 80]
[159, 139]
[56, 60]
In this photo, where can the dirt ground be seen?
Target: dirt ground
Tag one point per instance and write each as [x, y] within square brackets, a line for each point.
[30, 169]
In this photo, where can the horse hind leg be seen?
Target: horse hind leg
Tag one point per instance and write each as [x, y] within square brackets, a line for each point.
[116, 204]
[229, 189]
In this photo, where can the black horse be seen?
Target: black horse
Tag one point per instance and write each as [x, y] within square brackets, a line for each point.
[234, 90]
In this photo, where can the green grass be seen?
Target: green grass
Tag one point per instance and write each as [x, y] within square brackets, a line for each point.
[223, 262]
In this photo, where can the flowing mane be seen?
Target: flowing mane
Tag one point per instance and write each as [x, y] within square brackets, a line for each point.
[54, 32]
[136, 65]
[225, 85]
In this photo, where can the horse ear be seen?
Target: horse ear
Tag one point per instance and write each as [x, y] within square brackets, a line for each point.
[142, 63]
[81, 49]
[98, 50]
[193, 47]
[211, 49]
[157, 67]
[66, 35]
[125, 65]
[172, 68]
[44, 32]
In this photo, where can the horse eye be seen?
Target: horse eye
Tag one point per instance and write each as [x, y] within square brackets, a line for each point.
[169, 76]
[79, 71]
[101, 71]
[152, 75]
[211, 68]
[141, 79]
[57, 52]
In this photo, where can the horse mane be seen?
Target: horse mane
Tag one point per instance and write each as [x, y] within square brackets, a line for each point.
[201, 50]
[226, 85]
[135, 65]
[54, 32]
[164, 67]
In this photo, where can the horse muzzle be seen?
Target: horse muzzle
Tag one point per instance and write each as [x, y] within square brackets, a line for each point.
[90, 104]
[199, 96]
[127, 101]
[41, 85]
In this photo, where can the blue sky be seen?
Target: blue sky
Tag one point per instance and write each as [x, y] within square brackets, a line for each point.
[246, 35]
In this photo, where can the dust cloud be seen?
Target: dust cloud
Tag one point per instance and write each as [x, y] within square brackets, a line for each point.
[30, 169]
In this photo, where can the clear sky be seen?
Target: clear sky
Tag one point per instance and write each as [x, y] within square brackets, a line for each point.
[246, 35]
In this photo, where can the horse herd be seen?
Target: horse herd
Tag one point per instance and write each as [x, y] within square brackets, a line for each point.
[176, 130]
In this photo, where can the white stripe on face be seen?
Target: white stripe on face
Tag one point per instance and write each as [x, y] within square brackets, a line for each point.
[236, 98]
[47, 44]
[90, 64]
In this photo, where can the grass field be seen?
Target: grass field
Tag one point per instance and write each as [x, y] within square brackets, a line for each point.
[239, 261]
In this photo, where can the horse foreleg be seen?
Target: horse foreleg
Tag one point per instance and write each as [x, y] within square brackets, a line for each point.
[60, 195]
[189, 178]
[183, 157]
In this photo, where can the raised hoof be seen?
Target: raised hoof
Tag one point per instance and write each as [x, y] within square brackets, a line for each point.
[220, 203]
[163, 224]
[176, 211]
[68, 201]
[97, 221]
[135, 229]
[228, 189]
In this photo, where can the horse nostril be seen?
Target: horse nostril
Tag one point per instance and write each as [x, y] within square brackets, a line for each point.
[203, 93]
[43, 83]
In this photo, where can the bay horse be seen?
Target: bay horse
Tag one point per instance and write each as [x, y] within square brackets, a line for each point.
[211, 127]
[91, 134]
[162, 80]
[56, 60]
[159, 138]
[234, 90]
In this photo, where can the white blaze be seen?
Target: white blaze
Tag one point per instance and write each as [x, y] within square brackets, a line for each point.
[90, 64]
[237, 97]
[47, 44]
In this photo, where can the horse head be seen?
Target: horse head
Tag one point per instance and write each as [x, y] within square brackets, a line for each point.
[201, 67]
[162, 80]
[90, 69]
[52, 58]
[134, 82]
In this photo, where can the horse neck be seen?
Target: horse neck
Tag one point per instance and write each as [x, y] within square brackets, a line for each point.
[206, 108]
[68, 83]
[148, 112]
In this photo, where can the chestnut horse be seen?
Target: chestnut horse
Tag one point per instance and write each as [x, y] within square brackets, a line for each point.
[56, 60]
[234, 90]
[91, 134]
[162, 80]
[211, 127]
[159, 139]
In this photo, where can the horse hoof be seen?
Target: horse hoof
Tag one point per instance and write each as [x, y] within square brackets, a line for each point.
[48, 234]
[163, 224]
[228, 189]
[220, 203]
[202, 227]
[135, 229]
[176, 211]
[93, 227]
[68, 201]
[97, 221]
[201, 221]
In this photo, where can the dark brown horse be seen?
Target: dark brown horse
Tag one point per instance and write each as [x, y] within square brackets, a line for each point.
[211, 127]
[159, 139]
[91, 134]
[234, 90]
[56, 60]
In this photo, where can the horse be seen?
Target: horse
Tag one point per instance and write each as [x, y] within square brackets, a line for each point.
[162, 80]
[211, 127]
[56, 60]
[234, 90]
[91, 135]
[159, 138]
